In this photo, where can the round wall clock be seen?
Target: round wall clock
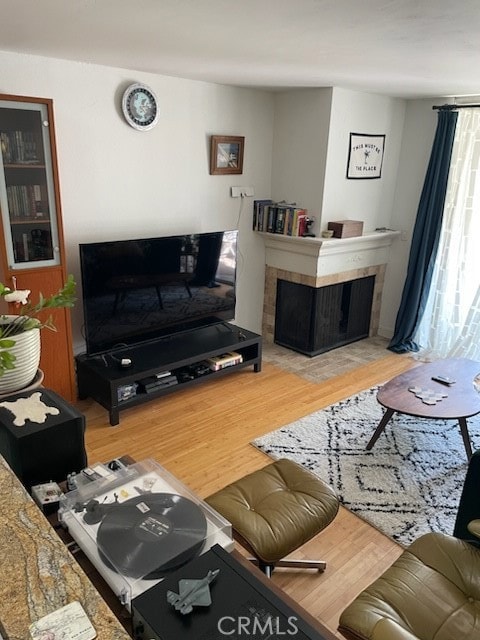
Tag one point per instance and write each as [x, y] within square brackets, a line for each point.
[139, 106]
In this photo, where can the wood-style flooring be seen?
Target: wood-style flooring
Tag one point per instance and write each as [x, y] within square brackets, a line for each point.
[202, 435]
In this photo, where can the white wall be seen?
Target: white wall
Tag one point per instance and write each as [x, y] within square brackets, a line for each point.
[117, 182]
[310, 154]
[370, 200]
[417, 140]
[302, 120]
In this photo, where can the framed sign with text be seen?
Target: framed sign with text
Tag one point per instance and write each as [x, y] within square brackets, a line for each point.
[365, 156]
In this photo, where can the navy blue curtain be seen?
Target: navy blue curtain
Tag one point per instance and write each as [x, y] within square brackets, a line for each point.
[426, 235]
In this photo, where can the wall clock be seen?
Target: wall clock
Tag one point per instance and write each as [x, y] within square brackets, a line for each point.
[139, 106]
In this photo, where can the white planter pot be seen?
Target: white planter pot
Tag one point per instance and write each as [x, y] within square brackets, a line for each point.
[27, 352]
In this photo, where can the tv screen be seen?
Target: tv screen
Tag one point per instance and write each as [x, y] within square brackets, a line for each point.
[139, 290]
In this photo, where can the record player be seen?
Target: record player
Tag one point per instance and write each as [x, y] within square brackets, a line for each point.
[139, 523]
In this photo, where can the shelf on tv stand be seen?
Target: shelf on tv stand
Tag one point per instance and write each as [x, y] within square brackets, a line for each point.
[100, 377]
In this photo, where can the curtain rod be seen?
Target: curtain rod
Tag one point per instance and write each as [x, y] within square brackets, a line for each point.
[452, 107]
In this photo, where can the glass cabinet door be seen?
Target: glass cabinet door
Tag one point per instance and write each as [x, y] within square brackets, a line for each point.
[27, 195]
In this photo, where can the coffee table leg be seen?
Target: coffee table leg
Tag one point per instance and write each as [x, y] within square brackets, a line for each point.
[466, 438]
[383, 423]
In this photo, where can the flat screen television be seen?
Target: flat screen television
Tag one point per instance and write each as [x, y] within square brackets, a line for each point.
[139, 290]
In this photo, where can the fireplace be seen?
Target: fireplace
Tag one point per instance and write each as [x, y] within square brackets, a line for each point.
[313, 320]
[317, 263]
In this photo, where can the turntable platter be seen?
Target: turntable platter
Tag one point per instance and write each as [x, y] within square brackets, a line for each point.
[151, 534]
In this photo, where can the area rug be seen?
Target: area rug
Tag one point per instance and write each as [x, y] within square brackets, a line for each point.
[408, 484]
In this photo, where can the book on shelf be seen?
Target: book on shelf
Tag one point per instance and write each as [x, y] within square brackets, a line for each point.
[26, 255]
[5, 147]
[18, 147]
[299, 222]
[279, 217]
[302, 224]
[25, 201]
[288, 220]
[271, 218]
[229, 359]
[259, 207]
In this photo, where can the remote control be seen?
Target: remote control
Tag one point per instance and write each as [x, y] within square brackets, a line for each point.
[443, 380]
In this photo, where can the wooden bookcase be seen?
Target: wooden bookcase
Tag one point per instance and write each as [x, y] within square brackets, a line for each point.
[31, 233]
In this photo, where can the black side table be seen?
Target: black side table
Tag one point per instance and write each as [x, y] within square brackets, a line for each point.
[41, 451]
[243, 600]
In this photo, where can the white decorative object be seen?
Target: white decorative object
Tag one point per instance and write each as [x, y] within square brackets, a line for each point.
[19, 295]
[31, 408]
[27, 354]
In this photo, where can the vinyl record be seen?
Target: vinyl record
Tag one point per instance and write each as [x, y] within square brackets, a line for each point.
[151, 534]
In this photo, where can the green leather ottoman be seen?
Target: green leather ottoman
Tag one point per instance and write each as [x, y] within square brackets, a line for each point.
[275, 510]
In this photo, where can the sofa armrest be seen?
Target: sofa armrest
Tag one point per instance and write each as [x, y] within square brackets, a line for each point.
[474, 528]
[469, 505]
[387, 629]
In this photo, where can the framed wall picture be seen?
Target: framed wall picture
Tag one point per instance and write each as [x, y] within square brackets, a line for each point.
[365, 156]
[226, 154]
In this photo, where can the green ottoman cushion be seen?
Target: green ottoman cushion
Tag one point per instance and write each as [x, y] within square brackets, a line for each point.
[277, 509]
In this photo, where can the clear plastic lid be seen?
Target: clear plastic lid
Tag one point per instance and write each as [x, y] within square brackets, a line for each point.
[138, 523]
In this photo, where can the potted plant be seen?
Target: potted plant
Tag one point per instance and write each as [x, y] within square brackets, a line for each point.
[20, 334]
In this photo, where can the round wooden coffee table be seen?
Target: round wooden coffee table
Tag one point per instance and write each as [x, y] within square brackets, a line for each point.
[462, 401]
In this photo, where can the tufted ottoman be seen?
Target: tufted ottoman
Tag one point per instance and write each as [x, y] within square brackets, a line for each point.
[275, 510]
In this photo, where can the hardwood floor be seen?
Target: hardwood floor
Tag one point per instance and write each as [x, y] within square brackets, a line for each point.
[202, 435]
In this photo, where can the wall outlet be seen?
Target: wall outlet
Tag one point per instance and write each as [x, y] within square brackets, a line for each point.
[242, 192]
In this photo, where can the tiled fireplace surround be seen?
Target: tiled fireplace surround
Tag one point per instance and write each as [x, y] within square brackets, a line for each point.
[317, 263]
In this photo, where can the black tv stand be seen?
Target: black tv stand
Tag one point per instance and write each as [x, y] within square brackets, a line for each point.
[162, 366]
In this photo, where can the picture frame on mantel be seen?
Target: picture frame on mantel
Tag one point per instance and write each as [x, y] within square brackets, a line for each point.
[365, 156]
[226, 155]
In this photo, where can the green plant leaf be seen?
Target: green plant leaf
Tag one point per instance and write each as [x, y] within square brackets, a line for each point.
[27, 319]
[7, 362]
[6, 343]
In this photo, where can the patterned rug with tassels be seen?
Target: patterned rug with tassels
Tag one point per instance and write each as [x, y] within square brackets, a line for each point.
[408, 484]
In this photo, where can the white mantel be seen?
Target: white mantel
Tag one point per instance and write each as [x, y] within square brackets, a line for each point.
[319, 257]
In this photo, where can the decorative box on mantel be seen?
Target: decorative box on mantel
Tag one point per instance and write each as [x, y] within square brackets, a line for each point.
[346, 228]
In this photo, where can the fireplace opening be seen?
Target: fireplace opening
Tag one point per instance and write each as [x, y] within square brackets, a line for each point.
[312, 320]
